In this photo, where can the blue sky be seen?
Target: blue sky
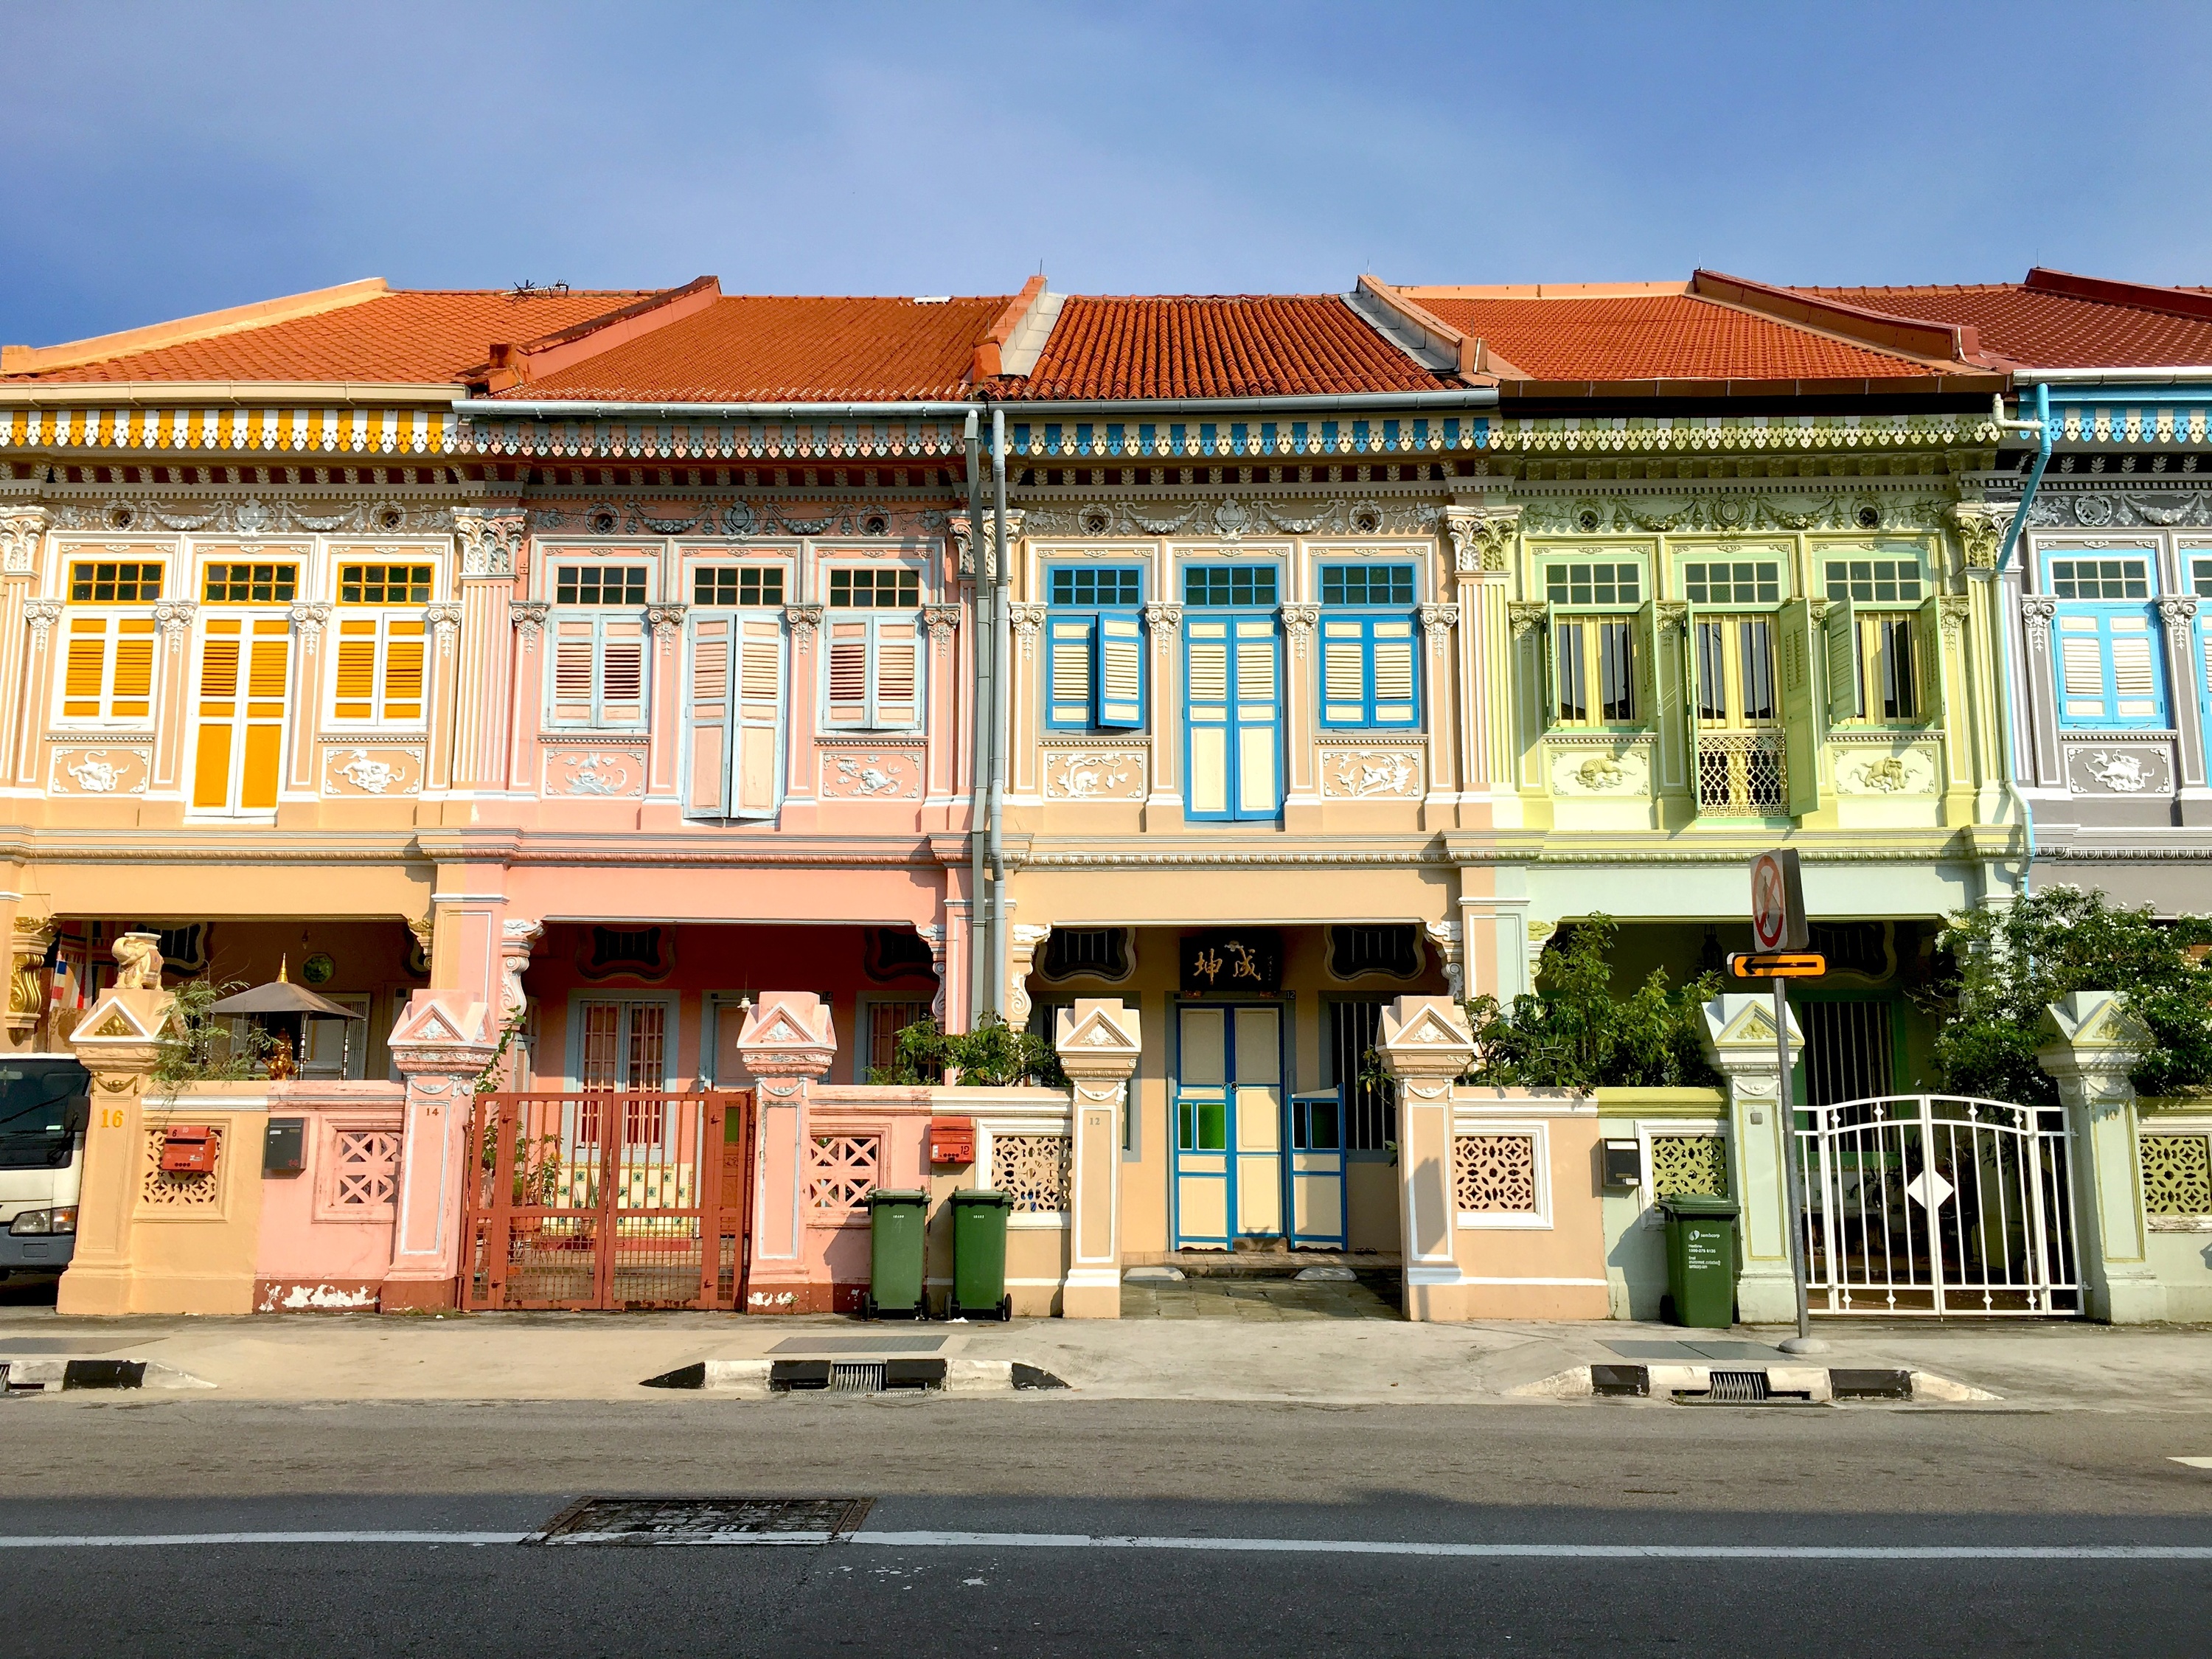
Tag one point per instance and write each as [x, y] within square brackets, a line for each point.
[165, 159]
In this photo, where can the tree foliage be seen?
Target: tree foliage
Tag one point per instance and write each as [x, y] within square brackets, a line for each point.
[1574, 1033]
[1997, 969]
[994, 1055]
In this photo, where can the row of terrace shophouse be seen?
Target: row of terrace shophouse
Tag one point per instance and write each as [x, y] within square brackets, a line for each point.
[714, 686]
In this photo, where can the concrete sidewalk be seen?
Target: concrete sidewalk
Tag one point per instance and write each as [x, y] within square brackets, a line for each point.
[2053, 1366]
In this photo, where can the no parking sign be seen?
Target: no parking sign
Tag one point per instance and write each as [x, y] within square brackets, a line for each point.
[1778, 902]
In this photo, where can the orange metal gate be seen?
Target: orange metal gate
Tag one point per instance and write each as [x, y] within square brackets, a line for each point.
[608, 1199]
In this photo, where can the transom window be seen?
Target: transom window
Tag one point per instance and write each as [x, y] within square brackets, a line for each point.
[599, 584]
[113, 583]
[1594, 584]
[2200, 576]
[1875, 581]
[384, 584]
[1222, 584]
[1751, 582]
[1114, 585]
[2100, 579]
[1367, 584]
[250, 584]
[875, 590]
[738, 585]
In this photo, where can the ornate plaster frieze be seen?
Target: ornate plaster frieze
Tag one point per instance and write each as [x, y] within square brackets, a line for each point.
[2064, 508]
[1728, 509]
[1095, 771]
[1237, 517]
[255, 517]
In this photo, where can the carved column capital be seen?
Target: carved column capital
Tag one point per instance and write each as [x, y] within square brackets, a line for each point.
[529, 616]
[1527, 615]
[1439, 620]
[309, 621]
[804, 619]
[943, 621]
[1163, 618]
[1481, 536]
[1981, 527]
[490, 538]
[1299, 621]
[21, 529]
[41, 615]
[1027, 619]
[666, 622]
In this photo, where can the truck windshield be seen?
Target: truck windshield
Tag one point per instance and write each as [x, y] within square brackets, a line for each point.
[43, 1106]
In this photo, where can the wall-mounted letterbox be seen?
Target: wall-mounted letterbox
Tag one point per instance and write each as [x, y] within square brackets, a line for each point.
[285, 1151]
[187, 1149]
[1624, 1164]
[952, 1140]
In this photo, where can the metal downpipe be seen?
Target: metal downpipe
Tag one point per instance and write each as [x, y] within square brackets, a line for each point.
[2045, 438]
[980, 730]
[1001, 712]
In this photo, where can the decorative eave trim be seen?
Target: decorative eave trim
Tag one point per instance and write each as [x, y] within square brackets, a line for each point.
[181, 427]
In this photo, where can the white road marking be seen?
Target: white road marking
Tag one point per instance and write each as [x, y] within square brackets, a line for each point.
[140, 1541]
[2193, 1463]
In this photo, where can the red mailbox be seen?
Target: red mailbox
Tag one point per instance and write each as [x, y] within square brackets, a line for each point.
[951, 1141]
[187, 1149]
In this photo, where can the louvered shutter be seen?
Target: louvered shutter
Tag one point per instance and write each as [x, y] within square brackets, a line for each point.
[707, 719]
[621, 646]
[1800, 695]
[760, 717]
[1645, 661]
[354, 698]
[268, 678]
[1393, 643]
[1840, 642]
[404, 665]
[848, 673]
[1206, 715]
[1565, 694]
[575, 658]
[107, 673]
[1343, 671]
[1928, 660]
[1068, 653]
[1119, 676]
[220, 651]
[130, 683]
[2135, 667]
[1259, 724]
[84, 676]
[897, 673]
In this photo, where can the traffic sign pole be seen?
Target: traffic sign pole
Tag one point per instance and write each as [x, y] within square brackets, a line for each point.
[1793, 1175]
[1778, 927]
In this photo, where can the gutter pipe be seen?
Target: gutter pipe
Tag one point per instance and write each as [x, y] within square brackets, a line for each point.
[981, 729]
[588, 409]
[1001, 710]
[2044, 437]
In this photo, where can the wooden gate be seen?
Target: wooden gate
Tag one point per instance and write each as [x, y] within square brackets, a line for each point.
[608, 1199]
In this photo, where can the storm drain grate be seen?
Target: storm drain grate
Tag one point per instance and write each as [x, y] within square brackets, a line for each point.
[856, 1379]
[651, 1521]
[1738, 1387]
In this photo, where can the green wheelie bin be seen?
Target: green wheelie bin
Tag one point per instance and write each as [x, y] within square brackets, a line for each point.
[979, 1255]
[897, 1222]
[1701, 1260]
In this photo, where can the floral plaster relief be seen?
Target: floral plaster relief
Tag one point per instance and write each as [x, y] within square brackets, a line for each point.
[871, 774]
[1901, 771]
[373, 769]
[1370, 773]
[2110, 769]
[106, 770]
[1602, 772]
[595, 773]
[1094, 773]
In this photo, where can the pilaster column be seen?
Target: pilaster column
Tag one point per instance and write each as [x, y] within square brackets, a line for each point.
[1483, 539]
[1025, 626]
[118, 1042]
[172, 722]
[450, 716]
[1098, 1044]
[482, 675]
[803, 779]
[441, 1044]
[1301, 792]
[521, 710]
[29, 940]
[1021, 946]
[309, 672]
[2177, 615]
[23, 536]
[2090, 1045]
[665, 627]
[518, 938]
[786, 1044]
[1739, 1043]
[40, 649]
[1164, 797]
[1424, 1044]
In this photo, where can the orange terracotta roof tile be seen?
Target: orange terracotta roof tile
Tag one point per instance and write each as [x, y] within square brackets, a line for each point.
[2040, 329]
[413, 336]
[767, 348]
[1654, 336]
[1235, 346]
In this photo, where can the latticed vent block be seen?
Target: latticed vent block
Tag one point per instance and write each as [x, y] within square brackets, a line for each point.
[1689, 1166]
[2177, 1175]
[1033, 1170]
[366, 1173]
[1742, 771]
[1496, 1174]
[161, 1189]
[841, 1171]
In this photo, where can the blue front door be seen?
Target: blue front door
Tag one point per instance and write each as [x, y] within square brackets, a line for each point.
[1228, 1126]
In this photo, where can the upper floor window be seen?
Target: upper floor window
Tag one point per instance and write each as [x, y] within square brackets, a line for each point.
[1367, 647]
[384, 584]
[1600, 584]
[1596, 630]
[599, 584]
[2200, 578]
[599, 671]
[737, 586]
[115, 583]
[1875, 581]
[250, 584]
[1735, 670]
[1227, 584]
[1751, 581]
[2100, 579]
[889, 589]
[1095, 649]
[2109, 671]
[1367, 584]
[1881, 639]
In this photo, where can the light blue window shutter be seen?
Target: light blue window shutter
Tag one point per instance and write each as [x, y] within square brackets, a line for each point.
[1257, 666]
[1068, 662]
[707, 715]
[1392, 671]
[2138, 688]
[1118, 670]
[1206, 717]
[756, 747]
[1345, 677]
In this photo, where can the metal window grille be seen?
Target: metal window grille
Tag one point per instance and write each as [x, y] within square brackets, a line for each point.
[1090, 952]
[1849, 1049]
[885, 1021]
[1742, 771]
[1370, 1116]
[1391, 948]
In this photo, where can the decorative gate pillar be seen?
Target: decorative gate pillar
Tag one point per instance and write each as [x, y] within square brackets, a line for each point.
[787, 1042]
[2090, 1045]
[440, 1045]
[1739, 1044]
[1425, 1045]
[1097, 1042]
[118, 1042]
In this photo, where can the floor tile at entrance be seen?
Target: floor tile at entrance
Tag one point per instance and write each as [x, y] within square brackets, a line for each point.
[1261, 1300]
[1696, 1351]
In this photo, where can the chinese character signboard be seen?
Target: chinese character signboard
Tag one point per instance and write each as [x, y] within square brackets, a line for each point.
[1233, 960]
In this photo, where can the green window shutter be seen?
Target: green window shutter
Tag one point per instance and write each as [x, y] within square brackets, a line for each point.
[1119, 674]
[1793, 643]
[706, 718]
[1928, 660]
[1648, 710]
[1846, 696]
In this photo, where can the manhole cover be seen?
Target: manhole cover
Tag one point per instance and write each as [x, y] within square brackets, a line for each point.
[706, 1520]
[826, 1345]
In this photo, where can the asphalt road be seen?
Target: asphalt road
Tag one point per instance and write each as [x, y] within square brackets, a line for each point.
[1587, 1478]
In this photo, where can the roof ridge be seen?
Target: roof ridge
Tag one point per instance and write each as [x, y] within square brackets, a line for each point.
[184, 331]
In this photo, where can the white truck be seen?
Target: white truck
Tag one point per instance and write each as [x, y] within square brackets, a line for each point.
[45, 1104]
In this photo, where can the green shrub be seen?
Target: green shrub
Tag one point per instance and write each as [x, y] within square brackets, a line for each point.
[198, 1047]
[994, 1055]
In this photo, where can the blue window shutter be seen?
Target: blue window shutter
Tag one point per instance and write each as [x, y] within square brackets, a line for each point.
[1394, 670]
[1070, 656]
[1346, 671]
[1118, 670]
[1258, 691]
[1207, 757]
[2108, 667]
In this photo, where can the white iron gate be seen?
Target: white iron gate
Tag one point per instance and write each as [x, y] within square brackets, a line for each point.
[1933, 1204]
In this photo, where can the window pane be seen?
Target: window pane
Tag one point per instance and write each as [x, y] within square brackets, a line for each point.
[732, 585]
[115, 583]
[1221, 584]
[1114, 585]
[250, 584]
[891, 589]
[595, 584]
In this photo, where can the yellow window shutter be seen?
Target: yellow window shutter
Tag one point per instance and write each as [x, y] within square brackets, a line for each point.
[403, 670]
[86, 675]
[132, 695]
[356, 673]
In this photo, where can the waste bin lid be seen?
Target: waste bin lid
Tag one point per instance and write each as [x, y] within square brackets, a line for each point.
[896, 1195]
[1698, 1203]
[984, 1195]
